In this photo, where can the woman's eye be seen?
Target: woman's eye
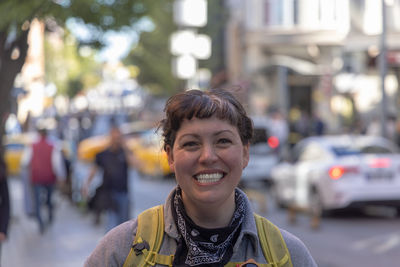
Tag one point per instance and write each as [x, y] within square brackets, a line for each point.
[224, 141]
[189, 144]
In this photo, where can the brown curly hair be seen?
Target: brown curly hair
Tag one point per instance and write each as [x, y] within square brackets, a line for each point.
[204, 104]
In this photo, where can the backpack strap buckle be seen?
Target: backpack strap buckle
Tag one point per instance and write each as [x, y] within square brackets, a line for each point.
[138, 247]
[151, 258]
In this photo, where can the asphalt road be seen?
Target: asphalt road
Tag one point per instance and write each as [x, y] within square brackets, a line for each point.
[365, 240]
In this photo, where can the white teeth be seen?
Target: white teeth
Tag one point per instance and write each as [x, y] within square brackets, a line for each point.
[209, 177]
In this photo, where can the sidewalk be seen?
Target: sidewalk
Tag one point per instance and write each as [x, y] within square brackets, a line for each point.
[66, 243]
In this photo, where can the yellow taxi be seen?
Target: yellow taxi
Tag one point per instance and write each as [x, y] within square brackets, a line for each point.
[89, 147]
[146, 145]
[14, 147]
[150, 154]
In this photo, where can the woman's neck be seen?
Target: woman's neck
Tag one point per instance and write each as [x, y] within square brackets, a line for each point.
[210, 216]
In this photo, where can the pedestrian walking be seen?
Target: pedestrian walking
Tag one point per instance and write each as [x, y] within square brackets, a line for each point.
[206, 220]
[4, 203]
[318, 126]
[44, 162]
[112, 195]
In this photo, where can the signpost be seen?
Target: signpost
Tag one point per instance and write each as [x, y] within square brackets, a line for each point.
[382, 69]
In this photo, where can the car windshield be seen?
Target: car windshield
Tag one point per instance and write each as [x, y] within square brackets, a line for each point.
[354, 150]
[345, 151]
[260, 135]
[151, 137]
[14, 146]
[259, 143]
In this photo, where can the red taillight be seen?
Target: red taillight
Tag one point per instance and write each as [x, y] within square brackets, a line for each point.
[273, 142]
[380, 163]
[337, 172]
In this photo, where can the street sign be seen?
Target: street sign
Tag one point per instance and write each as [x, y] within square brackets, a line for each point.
[184, 66]
[190, 13]
[182, 42]
[202, 46]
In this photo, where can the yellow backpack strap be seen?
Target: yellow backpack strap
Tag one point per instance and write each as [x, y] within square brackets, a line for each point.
[274, 247]
[147, 243]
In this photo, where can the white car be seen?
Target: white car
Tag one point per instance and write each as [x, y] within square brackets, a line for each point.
[337, 172]
[263, 157]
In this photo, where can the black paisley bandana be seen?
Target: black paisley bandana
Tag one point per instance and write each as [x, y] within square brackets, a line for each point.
[199, 246]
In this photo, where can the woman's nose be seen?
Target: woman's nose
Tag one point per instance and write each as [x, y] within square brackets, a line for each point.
[208, 154]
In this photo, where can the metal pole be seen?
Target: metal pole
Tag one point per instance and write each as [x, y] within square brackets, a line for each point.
[383, 69]
[283, 90]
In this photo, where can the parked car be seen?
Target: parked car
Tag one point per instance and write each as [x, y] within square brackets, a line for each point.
[338, 172]
[264, 155]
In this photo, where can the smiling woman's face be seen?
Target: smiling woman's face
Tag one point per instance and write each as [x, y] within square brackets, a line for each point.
[207, 157]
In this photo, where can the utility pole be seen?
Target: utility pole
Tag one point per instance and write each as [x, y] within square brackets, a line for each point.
[382, 70]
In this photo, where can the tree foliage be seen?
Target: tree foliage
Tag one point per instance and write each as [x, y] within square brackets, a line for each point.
[215, 28]
[153, 57]
[152, 54]
[16, 16]
[70, 67]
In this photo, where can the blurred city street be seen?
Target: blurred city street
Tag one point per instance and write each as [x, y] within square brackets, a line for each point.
[356, 240]
[73, 234]
[65, 243]
[320, 80]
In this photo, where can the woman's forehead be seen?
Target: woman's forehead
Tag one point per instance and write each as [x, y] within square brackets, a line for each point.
[212, 123]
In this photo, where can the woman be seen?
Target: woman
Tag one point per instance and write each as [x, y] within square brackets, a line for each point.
[207, 220]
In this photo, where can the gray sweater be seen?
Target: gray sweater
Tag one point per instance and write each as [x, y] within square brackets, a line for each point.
[114, 247]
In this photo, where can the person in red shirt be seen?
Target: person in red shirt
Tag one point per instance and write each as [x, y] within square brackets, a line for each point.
[45, 167]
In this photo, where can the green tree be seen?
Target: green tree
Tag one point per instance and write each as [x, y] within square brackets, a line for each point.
[152, 55]
[16, 16]
[217, 16]
[70, 67]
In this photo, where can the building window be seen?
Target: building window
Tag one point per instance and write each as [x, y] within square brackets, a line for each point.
[304, 14]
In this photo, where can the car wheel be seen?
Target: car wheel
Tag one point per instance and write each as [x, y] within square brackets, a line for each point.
[279, 203]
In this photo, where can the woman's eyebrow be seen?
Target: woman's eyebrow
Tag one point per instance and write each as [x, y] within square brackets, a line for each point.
[223, 131]
[214, 134]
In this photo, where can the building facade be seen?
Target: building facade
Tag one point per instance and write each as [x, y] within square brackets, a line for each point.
[315, 56]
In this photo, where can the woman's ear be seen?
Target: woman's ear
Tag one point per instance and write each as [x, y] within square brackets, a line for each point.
[170, 157]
